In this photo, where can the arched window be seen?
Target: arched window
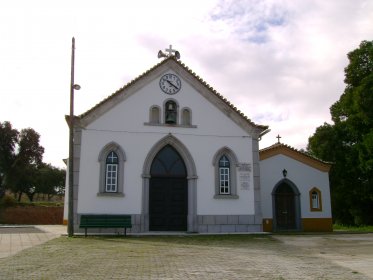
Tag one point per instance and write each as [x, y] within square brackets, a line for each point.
[155, 115]
[170, 112]
[111, 159]
[225, 163]
[315, 199]
[111, 173]
[224, 175]
[186, 117]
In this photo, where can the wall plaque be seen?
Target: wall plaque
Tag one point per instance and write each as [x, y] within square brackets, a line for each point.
[244, 170]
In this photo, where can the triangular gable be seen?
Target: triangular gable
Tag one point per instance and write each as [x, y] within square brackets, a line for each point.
[198, 83]
[293, 153]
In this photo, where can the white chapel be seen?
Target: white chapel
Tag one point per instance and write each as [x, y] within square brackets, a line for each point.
[175, 155]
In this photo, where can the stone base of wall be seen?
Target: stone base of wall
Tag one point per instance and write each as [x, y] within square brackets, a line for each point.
[31, 215]
[206, 224]
[229, 223]
[317, 224]
[308, 225]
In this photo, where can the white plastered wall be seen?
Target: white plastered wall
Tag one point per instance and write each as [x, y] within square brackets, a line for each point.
[125, 125]
[303, 176]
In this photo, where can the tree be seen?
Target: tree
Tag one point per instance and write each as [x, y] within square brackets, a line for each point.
[50, 180]
[348, 143]
[21, 156]
[21, 168]
[8, 141]
[27, 161]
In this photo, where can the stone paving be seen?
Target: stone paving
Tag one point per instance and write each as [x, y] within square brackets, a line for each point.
[14, 239]
[330, 256]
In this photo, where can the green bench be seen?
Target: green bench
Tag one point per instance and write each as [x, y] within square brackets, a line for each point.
[105, 221]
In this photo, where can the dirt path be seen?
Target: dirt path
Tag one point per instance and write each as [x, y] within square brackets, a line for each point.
[353, 251]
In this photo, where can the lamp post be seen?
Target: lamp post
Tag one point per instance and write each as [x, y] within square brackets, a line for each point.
[70, 225]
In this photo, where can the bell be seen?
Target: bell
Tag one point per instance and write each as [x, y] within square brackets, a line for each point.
[171, 118]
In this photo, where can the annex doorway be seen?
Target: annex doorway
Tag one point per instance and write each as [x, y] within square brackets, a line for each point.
[286, 206]
[168, 192]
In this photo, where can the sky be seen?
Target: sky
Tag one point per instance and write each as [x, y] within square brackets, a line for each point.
[280, 62]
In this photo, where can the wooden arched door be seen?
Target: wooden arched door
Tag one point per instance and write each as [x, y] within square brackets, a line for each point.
[285, 207]
[168, 192]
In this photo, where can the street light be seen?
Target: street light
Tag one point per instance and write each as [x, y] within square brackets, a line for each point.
[70, 224]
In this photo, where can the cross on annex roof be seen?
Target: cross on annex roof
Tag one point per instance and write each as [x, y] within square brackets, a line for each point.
[278, 138]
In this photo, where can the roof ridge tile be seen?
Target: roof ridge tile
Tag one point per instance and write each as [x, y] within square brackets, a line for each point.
[278, 145]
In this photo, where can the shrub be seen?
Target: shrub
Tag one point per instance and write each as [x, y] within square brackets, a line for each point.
[8, 201]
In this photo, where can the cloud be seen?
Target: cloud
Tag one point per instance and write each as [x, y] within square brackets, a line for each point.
[280, 62]
[250, 20]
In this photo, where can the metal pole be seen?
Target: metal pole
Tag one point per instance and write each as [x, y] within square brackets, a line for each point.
[70, 225]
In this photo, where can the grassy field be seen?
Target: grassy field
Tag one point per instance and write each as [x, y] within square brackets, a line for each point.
[343, 228]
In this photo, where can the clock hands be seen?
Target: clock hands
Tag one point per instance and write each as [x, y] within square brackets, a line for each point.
[171, 84]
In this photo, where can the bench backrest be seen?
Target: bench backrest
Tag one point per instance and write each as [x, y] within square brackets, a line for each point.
[105, 221]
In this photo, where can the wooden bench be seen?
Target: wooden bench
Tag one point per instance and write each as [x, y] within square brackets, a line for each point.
[105, 221]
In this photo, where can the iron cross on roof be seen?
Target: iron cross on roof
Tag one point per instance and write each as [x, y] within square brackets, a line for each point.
[173, 52]
[278, 138]
[170, 50]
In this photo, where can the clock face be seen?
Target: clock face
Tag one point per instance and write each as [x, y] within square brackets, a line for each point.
[170, 83]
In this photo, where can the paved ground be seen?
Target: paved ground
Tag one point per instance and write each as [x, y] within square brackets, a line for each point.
[353, 251]
[329, 256]
[14, 239]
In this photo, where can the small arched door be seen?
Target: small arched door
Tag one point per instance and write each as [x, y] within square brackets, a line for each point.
[286, 207]
[168, 192]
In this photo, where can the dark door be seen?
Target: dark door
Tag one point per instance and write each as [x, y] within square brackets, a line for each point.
[168, 204]
[285, 207]
[168, 192]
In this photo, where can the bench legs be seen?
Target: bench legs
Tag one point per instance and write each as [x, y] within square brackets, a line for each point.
[85, 232]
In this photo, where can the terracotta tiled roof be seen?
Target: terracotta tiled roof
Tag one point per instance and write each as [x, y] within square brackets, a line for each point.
[280, 148]
[204, 83]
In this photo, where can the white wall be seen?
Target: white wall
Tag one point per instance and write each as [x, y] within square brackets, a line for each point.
[124, 124]
[302, 175]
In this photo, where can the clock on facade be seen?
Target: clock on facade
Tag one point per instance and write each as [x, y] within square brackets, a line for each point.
[170, 83]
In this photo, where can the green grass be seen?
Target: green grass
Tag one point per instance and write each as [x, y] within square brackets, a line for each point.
[44, 203]
[338, 228]
[10, 201]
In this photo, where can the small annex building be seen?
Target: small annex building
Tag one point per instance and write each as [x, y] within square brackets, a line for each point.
[294, 189]
[174, 154]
